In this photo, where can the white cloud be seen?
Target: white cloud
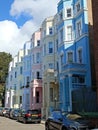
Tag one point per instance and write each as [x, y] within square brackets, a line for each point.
[38, 9]
[13, 37]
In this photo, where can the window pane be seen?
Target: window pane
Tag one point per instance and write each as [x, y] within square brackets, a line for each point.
[78, 7]
[69, 33]
[50, 65]
[38, 58]
[61, 35]
[50, 31]
[79, 28]
[70, 57]
[50, 47]
[80, 56]
[69, 14]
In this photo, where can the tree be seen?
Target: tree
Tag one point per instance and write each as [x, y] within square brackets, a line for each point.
[5, 59]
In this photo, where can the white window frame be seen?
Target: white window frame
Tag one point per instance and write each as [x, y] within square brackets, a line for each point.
[76, 6]
[78, 31]
[80, 60]
[69, 34]
[70, 60]
[50, 31]
[67, 12]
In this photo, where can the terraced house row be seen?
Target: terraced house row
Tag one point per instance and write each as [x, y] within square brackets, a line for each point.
[56, 67]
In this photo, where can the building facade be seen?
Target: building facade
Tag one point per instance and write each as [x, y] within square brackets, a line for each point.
[74, 49]
[36, 71]
[49, 65]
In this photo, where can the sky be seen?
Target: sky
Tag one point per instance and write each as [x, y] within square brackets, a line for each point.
[19, 19]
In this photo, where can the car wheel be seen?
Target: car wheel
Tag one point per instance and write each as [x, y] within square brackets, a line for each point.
[24, 121]
[17, 119]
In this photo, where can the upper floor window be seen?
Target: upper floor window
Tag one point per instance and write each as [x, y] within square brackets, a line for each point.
[21, 70]
[69, 33]
[62, 59]
[78, 6]
[51, 66]
[14, 86]
[61, 15]
[44, 49]
[50, 47]
[28, 64]
[69, 12]
[79, 28]
[70, 57]
[33, 58]
[50, 31]
[78, 79]
[28, 80]
[61, 35]
[38, 75]
[80, 55]
[38, 58]
[38, 42]
[15, 74]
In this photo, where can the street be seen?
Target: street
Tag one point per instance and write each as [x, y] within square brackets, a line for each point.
[9, 124]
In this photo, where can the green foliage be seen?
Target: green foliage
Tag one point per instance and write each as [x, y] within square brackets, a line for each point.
[5, 59]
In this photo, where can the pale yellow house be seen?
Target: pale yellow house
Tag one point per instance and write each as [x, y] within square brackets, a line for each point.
[49, 66]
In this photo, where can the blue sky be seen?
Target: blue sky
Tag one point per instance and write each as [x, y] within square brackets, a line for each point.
[4, 9]
[5, 6]
[19, 19]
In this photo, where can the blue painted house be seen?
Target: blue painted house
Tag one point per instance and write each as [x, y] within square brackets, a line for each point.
[73, 52]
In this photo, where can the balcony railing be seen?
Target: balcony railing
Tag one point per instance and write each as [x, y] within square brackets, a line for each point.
[73, 67]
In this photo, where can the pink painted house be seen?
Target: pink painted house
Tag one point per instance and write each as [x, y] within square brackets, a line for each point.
[36, 75]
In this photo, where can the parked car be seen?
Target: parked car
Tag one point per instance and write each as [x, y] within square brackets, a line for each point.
[67, 121]
[1, 110]
[14, 113]
[5, 110]
[29, 116]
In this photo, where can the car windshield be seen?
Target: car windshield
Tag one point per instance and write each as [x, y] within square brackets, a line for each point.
[56, 114]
